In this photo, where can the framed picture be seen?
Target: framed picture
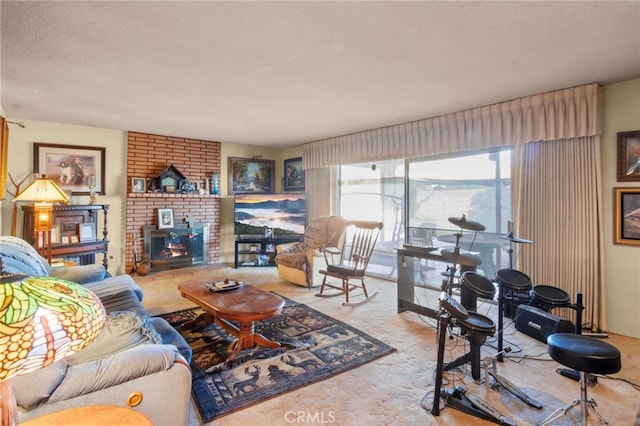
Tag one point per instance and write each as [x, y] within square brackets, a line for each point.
[74, 239]
[55, 234]
[268, 232]
[165, 219]
[251, 176]
[270, 248]
[627, 216]
[293, 175]
[138, 185]
[78, 169]
[87, 232]
[629, 156]
[64, 239]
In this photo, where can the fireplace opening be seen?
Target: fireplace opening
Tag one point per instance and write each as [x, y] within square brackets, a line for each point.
[177, 247]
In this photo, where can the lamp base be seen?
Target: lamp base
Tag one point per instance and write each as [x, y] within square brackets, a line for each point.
[8, 407]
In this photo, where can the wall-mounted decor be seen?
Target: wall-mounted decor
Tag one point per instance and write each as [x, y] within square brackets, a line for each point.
[165, 219]
[87, 232]
[629, 156]
[74, 168]
[251, 176]
[138, 184]
[170, 180]
[627, 216]
[4, 151]
[293, 175]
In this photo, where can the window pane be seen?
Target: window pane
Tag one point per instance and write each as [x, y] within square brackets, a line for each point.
[370, 192]
[476, 185]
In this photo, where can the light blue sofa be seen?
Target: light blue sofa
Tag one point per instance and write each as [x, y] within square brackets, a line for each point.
[133, 355]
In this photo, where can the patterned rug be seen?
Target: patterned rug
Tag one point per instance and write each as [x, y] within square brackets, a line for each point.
[314, 347]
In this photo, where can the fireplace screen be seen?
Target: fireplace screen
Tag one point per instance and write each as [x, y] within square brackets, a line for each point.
[177, 247]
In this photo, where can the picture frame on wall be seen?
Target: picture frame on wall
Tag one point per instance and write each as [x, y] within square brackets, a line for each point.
[165, 219]
[138, 184]
[251, 176]
[77, 169]
[294, 175]
[627, 216]
[629, 156]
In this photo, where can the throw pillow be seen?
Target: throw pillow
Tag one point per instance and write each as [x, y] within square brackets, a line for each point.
[80, 274]
[122, 330]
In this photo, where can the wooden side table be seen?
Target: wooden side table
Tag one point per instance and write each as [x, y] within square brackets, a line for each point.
[97, 415]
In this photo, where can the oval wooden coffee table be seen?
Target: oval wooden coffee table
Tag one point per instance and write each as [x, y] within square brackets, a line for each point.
[244, 305]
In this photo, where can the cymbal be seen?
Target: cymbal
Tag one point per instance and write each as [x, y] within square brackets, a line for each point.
[461, 258]
[514, 239]
[463, 223]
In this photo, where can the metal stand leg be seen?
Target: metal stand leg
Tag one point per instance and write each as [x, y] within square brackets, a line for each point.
[584, 402]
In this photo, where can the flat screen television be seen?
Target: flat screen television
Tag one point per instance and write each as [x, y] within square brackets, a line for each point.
[285, 214]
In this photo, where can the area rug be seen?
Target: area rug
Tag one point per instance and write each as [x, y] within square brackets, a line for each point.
[314, 347]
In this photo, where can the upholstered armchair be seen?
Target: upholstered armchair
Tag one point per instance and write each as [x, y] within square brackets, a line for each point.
[300, 262]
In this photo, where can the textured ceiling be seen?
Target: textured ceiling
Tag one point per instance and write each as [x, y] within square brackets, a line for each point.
[284, 73]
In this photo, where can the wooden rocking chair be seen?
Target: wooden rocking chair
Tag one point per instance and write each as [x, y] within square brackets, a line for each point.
[353, 261]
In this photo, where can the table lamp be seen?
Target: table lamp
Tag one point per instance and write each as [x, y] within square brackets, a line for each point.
[43, 193]
[42, 319]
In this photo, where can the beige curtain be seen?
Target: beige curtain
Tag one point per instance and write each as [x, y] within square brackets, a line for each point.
[563, 114]
[558, 204]
[319, 192]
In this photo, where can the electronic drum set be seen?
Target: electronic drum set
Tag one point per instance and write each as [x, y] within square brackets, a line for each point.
[512, 285]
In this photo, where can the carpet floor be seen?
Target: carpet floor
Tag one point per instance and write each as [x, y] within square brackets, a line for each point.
[394, 389]
[314, 347]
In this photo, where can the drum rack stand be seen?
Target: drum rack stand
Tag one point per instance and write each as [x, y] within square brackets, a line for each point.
[459, 398]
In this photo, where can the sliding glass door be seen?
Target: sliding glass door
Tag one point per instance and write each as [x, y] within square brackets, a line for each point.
[415, 198]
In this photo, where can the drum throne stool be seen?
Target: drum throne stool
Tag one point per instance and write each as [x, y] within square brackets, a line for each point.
[586, 355]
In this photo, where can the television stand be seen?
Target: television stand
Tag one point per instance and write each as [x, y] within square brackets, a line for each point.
[256, 250]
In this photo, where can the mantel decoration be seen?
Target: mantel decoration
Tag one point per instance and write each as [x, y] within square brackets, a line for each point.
[251, 176]
[171, 180]
[627, 216]
[45, 319]
[629, 156]
[79, 169]
[293, 175]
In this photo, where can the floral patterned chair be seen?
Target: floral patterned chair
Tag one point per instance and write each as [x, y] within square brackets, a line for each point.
[300, 262]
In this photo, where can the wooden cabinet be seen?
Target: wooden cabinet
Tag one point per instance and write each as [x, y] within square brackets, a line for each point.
[79, 232]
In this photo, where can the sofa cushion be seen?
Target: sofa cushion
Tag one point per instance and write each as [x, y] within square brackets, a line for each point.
[33, 388]
[170, 336]
[122, 330]
[139, 361]
[80, 274]
[114, 285]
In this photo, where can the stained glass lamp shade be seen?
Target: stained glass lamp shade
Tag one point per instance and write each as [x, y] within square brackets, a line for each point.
[42, 319]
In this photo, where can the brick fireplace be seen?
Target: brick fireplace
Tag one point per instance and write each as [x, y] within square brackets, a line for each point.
[147, 156]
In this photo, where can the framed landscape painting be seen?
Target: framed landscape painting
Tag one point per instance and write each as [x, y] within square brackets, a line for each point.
[251, 176]
[627, 216]
[74, 168]
[293, 175]
[629, 156]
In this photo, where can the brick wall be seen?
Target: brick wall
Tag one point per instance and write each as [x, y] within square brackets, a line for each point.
[147, 156]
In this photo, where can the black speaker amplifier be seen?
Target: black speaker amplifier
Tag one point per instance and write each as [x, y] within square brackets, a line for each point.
[539, 324]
